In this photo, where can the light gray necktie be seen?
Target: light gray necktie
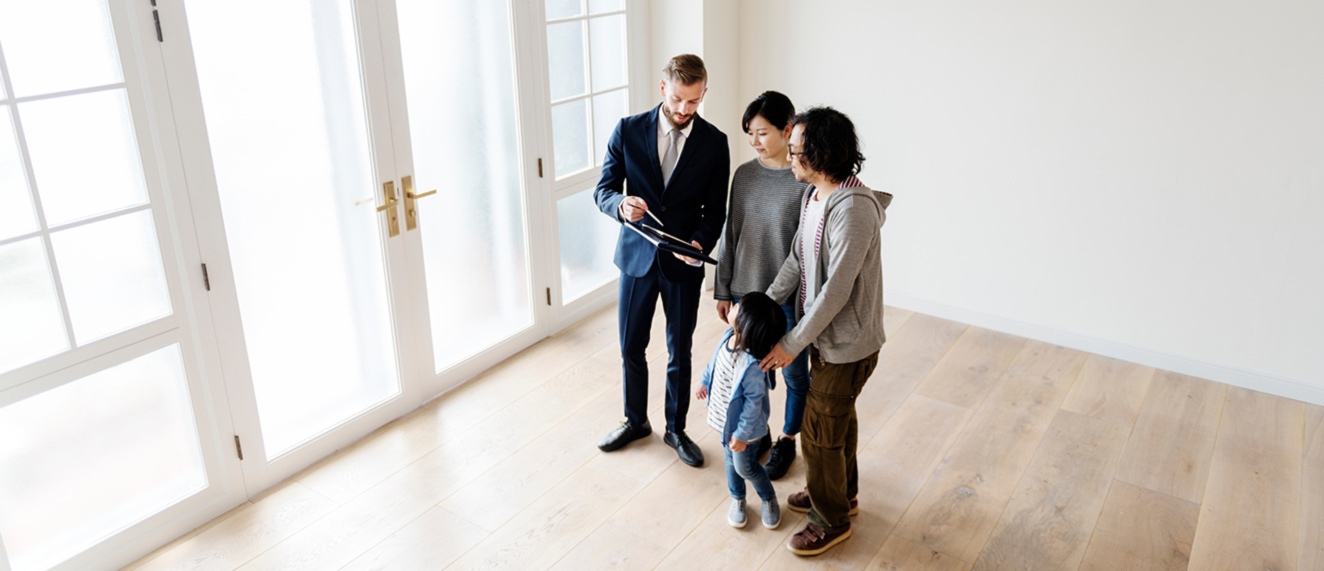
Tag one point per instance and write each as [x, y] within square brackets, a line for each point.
[669, 159]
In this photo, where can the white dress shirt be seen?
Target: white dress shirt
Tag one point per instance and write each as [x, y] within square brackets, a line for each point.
[664, 136]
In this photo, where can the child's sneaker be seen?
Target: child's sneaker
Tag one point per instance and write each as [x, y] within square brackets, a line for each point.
[772, 514]
[736, 517]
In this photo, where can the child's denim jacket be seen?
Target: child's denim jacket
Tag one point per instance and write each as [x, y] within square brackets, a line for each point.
[747, 415]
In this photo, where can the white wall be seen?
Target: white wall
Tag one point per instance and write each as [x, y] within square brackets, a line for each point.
[1137, 179]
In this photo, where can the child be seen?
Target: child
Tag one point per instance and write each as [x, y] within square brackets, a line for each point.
[739, 407]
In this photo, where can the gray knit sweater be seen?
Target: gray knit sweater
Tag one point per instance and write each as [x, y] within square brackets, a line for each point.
[760, 223]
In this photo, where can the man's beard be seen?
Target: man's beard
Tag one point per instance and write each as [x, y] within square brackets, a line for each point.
[671, 118]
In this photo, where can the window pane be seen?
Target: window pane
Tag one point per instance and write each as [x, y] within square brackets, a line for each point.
[31, 325]
[16, 213]
[465, 145]
[84, 155]
[565, 59]
[58, 46]
[588, 241]
[607, 38]
[557, 9]
[112, 275]
[288, 129]
[608, 109]
[96, 455]
[570, 137]
[600, 6]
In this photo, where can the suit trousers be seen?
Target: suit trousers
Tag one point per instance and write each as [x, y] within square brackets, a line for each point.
[636, 305]
[830, 437]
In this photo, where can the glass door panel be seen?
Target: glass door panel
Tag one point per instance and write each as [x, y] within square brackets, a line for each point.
[459, 84]
[587, 241]
[292, 153]
[16, 213]
[96, 455]
[98, 171]
[59, 46]
[31, 319]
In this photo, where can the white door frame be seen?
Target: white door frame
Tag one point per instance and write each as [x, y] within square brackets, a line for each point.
[435, 383]
[536, 75]
[186, 99]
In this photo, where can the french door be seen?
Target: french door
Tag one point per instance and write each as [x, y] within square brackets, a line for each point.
[383, 190]
[234, 239]
[114, 418]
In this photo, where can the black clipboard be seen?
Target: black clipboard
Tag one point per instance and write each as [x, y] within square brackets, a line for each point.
[668, 243]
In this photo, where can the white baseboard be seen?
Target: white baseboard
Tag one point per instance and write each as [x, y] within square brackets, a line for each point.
[1274, 385]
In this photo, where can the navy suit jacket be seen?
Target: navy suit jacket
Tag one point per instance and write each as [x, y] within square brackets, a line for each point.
[692, 205]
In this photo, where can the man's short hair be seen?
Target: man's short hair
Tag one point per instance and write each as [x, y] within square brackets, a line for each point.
[830, 145]
[686, 69]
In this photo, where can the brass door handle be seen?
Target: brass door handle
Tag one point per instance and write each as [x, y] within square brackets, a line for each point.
[392, 215]
[411, 213]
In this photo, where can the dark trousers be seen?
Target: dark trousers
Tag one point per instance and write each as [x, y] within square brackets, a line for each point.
[830, 437]
[680, 304]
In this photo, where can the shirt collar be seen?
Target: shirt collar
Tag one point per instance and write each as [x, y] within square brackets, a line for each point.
[664, 126]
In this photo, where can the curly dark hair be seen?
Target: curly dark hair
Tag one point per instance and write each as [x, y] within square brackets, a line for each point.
[776, 108]
[760, 324]
[830, 145]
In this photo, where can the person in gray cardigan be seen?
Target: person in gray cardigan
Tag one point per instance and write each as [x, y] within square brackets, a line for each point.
[760, 224]
[834, 273]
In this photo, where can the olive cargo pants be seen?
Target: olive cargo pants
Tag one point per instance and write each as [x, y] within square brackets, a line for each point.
[830, 437]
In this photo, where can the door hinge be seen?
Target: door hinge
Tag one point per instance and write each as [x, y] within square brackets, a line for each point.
[238, 448]
[206, 280]
[539, 168]
[549, 297]
[157, 17]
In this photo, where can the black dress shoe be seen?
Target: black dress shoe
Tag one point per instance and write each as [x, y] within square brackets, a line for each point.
[687, 450]
[779, 461]
[624, 434]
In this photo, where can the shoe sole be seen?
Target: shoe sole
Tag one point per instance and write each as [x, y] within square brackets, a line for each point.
[774, 525]
[626, 443]
[833, 543]
[736, 525]
[853, 511]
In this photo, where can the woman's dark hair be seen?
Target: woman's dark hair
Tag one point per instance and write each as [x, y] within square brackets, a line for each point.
[830, 145]
[774, 107]
[760, 323]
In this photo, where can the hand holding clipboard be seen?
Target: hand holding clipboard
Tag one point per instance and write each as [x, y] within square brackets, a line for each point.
[668, 243]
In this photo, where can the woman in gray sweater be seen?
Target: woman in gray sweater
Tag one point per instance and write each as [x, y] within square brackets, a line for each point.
[763, 217]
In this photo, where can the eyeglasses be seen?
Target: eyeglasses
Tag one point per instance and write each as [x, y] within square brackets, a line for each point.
[790, 151]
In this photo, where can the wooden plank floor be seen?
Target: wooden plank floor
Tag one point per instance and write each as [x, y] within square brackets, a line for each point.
[978, 450]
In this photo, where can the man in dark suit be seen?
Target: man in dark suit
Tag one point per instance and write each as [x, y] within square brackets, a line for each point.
[676, 166]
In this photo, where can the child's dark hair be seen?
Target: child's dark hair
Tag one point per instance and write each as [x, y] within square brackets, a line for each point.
[760, 324]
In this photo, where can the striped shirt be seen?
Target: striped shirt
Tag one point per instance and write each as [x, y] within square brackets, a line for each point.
[812, 217]
[724, 382]
[760, 225]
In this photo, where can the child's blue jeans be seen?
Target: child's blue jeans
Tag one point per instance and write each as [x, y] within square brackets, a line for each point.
[741, 466]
